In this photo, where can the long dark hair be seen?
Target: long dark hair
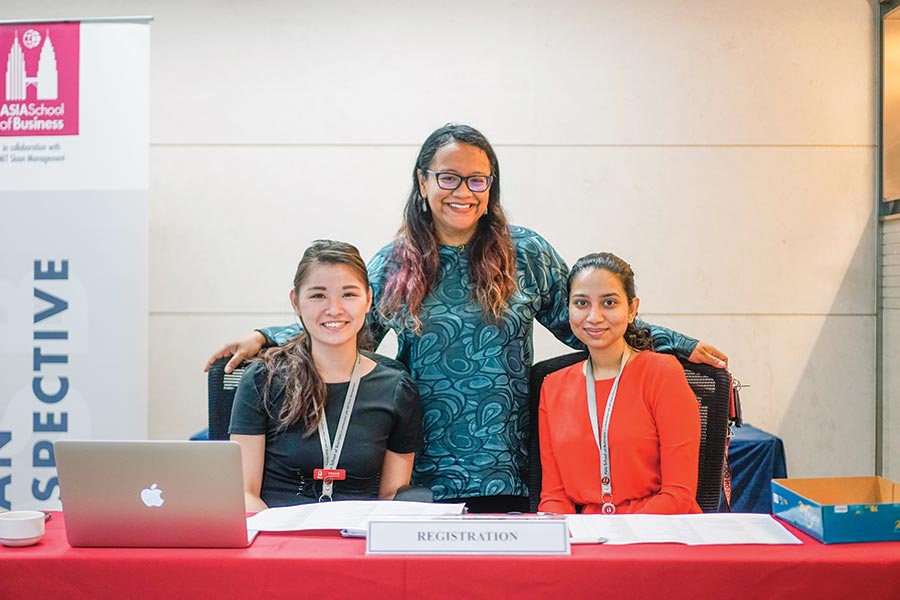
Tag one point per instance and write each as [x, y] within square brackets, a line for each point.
[638, 338]
[304, 389]
[414, 264]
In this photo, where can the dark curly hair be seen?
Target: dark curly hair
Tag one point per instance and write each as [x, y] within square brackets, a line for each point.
[637, 337]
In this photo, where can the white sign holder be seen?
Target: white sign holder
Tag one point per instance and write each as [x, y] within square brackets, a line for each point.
[469, 535]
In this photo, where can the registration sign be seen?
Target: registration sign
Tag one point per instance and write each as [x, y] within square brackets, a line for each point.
[468, 535]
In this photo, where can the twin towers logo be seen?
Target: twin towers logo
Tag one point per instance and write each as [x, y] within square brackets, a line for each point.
[46, 80]
[39, 94]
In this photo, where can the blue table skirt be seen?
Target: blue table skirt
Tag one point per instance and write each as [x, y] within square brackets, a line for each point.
[756, 458]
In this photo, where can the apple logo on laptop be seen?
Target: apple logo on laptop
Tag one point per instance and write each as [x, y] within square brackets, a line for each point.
[152, 496]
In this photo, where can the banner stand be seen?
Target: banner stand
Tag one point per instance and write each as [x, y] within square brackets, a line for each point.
[74, 178]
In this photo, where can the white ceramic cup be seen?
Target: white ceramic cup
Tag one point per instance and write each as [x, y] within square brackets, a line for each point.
[21, 527]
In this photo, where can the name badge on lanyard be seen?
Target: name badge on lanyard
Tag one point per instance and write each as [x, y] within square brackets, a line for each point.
[332, 474]
[331, 453]
[602, 437]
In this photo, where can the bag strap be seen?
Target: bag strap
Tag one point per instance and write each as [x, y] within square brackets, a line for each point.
[735, 420]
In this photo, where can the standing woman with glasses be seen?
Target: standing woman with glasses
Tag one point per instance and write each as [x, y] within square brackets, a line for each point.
[462, 289]
[315, 419]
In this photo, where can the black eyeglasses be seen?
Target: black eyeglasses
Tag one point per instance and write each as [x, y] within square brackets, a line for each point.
[451, 181]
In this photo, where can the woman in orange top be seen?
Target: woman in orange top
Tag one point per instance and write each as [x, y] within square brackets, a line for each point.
[651, 438]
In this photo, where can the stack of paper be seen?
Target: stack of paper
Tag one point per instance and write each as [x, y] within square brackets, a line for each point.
[350, 516]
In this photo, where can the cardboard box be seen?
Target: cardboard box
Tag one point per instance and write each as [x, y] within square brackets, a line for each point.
[840, 509]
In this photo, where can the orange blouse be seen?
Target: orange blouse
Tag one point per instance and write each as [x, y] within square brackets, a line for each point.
[654, 440]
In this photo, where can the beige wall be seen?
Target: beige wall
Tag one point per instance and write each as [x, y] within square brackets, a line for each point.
[891, 112]
[725, 149]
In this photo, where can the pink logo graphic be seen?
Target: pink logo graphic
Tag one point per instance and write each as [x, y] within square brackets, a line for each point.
[40, 79]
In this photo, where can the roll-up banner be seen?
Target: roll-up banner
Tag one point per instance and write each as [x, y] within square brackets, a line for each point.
[74, 139]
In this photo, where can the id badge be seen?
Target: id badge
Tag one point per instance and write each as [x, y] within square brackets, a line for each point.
[330, 474]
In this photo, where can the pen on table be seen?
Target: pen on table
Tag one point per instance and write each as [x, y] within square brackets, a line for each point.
[596, 540]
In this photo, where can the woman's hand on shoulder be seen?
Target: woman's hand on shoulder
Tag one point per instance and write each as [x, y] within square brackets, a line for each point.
[710, 355]
[239, 350]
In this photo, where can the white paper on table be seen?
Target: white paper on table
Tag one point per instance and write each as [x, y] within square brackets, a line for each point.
[353, 515]
[693, 530]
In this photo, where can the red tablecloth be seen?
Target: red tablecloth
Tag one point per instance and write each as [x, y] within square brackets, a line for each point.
[324, 565]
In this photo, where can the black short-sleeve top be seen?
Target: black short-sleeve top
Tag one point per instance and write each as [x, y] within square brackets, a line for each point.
[387, 415]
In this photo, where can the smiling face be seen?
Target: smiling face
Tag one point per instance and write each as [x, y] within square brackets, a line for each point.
[455, 212]
[332, 302]
[599, 311]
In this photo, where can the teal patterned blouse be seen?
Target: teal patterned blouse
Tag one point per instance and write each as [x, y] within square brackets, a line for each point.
[473, 376]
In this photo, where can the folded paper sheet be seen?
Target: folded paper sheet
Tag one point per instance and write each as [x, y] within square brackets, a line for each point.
[693, 530]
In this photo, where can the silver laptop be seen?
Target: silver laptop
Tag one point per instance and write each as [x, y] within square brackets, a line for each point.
[152, 494]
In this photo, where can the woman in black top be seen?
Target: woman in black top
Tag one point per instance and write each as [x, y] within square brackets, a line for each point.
[298, 442]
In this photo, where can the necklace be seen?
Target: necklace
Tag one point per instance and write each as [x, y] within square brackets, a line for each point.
[602, 437]
[331, 453]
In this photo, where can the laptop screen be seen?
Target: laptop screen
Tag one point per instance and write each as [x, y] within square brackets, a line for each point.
[152, 493]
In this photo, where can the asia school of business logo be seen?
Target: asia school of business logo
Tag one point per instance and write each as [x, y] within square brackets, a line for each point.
[40, 82]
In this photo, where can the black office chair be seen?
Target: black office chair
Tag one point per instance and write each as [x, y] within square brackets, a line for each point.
[222, 386]
[712, 387]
